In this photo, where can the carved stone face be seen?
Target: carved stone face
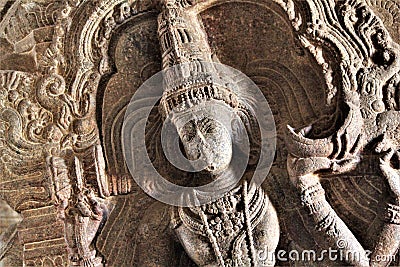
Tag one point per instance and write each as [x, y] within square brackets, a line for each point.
[205, 138]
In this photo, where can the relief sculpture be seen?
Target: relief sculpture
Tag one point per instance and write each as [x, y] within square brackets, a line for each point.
[366, 74]
[231, 228]
[199, 133]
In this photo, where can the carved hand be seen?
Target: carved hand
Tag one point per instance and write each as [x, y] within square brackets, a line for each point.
[391, 174]
[298, 167]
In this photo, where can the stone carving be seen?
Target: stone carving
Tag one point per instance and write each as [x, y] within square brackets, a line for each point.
[227, 229]
[69, 68]
[368, 61]
[49, 148]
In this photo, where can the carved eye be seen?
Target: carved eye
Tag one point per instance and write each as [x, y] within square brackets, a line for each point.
[208, 126]
[210, 129]
[188, 132]
[188, 136]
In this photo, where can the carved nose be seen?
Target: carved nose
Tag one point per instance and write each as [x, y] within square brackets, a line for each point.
[216, 167]
[211, 153]
[211, 168]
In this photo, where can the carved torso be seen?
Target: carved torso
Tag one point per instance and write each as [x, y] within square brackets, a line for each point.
[227, 230]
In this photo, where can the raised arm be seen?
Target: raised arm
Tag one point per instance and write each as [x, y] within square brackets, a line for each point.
[302, 172]
[389, 239]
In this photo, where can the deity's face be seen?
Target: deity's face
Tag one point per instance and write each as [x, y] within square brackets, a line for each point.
[205, 138]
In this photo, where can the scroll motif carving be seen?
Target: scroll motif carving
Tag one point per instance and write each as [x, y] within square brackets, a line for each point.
[329, 70]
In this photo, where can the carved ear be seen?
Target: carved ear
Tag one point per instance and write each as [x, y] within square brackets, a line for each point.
[243, 135]
[239, 132]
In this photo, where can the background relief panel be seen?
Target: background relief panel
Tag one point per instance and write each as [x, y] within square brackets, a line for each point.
[199, 133]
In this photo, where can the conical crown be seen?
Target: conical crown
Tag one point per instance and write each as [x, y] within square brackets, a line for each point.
[189, 75]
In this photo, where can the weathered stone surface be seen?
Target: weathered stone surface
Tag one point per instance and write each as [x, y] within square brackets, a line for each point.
[329, 70]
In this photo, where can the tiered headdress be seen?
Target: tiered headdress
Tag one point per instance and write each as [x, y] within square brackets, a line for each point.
[190, 77]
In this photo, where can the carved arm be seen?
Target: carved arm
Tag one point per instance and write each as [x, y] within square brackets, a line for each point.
[389, 239]
[302, 172]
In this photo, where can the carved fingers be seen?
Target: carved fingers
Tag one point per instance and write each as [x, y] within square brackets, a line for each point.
[391, 174]
[385, 145]
[301, 170]
[303, 166]
[344, 165]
